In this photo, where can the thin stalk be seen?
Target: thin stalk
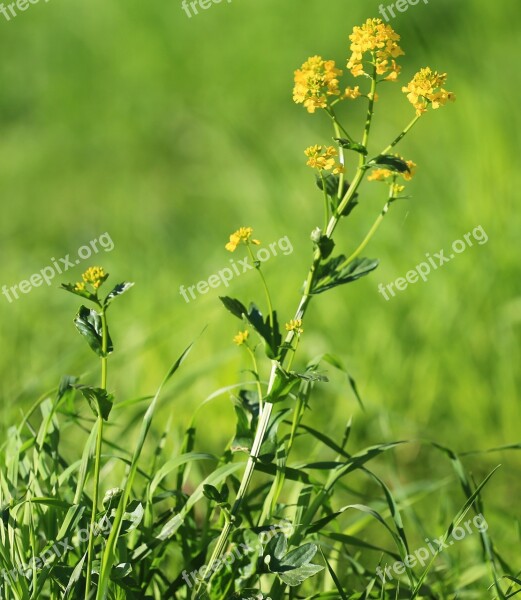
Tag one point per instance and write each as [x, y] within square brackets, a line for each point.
[256, 372]
[370, 234]
[264, 284]
[401, 136]
[97, 460]
[341, 156]
[326, 200]
[370, 108]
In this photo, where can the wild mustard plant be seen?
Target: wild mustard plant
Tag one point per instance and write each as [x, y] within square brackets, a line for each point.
[375, 51]
[92, 324]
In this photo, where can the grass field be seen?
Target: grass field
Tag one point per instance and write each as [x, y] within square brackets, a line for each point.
[169, 132]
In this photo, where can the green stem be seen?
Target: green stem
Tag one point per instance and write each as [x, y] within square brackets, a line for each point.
[97, 460]
[264, 284]
[369, 235]
[326, 200]
[370, 109]
[401, 136]
[256, 371]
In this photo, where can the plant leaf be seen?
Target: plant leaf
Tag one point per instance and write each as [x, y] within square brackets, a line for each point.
[88, 323]
[335, 272]
[100, 401]
[118, 290]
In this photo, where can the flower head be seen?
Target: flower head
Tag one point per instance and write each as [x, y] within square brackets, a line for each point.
[386, 174]
[242, 235]
[79, 287]
[295, 325]
[323, 159]
[352, 93]
[381, 41]
[241, 337]
[426, 88]
[95, 276]
[314, 82]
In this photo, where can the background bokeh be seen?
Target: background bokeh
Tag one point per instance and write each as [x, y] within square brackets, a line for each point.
[169, 133]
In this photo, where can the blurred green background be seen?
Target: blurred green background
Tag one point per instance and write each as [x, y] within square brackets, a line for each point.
[169, 133]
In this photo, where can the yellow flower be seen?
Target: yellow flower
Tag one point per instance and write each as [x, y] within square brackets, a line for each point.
[381, 41]
[385, 174]
[241, 235]
[79, 287]
[425, 88]
[241, 337]
[95, 276]
[323, 159]
[397, 189]
[352, 93]
[314, 82]
[295, 325]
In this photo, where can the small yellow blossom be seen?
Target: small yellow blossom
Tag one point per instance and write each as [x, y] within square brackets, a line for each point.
[385, 174]
[352, 93]
[323, 159]
[397, 189]
[381, 41]
[314, 82]
[295, 325]
[425, 88]
[241, 337]
[243, 235]
[95, 276]
[79, 287]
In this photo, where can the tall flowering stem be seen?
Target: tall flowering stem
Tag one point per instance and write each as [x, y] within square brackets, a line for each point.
[374, 46]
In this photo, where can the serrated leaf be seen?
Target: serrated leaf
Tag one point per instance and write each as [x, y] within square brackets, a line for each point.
[348, 145]
[276, 548]
[236, 307]
[262, 326]
[100, 401]
[118, 290]
[88, 323]
[71, 287]
[335, 272]
[326, 245]
[332, 182]
[391, 162]
[212, 493]
[297, 576]
[121, 571]
[132, 517]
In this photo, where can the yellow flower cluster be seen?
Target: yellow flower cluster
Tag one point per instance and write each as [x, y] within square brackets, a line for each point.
[352, 93]
[295, 325]
[241, 235]
[323, 159]
[385, 174]
[425, 88]
[241, 337]
[381, 41]
[93, 275]
[314, 82]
